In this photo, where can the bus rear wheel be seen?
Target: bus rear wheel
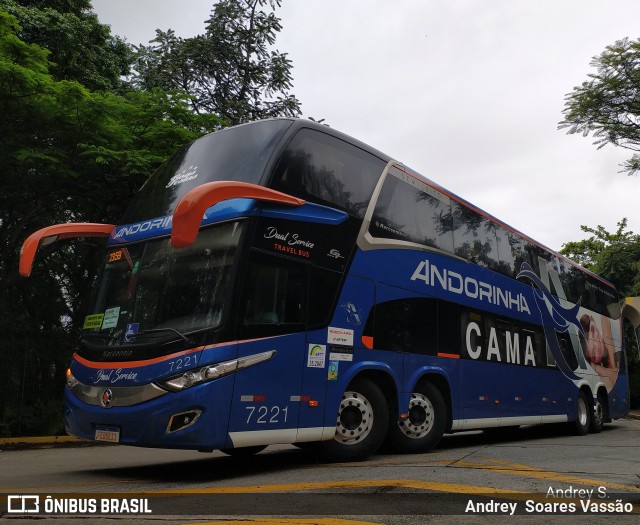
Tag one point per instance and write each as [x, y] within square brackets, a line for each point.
[598, 414]
[583, 416]
[423, 428]
[361, 423]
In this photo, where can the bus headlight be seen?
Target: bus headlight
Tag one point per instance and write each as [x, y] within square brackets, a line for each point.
[71, 380]
[211, 372]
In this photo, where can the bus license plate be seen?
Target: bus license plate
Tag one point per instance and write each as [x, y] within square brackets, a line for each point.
[108, 434]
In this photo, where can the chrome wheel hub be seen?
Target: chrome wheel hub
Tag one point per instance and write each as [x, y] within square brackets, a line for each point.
[355, 419]
[421, 417]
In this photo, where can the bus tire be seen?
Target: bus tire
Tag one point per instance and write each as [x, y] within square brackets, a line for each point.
[426, 423]
[361, 423]
[583, 414]
[599, 413]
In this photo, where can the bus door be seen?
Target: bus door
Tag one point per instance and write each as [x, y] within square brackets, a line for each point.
[265, 404]
[271, 317]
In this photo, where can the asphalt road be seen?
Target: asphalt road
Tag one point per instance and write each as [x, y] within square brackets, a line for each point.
[470, 478]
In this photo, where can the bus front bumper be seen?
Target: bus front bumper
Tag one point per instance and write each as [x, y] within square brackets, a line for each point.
[195, 418]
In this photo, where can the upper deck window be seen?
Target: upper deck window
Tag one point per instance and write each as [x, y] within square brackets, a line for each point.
[474, 237]
[324, 169]
[409, 210]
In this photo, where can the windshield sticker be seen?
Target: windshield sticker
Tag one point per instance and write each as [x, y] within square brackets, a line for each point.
[111, 316]
[132, 330]
[185, 175]
[93, 322]
[317, 356]
[340, 336]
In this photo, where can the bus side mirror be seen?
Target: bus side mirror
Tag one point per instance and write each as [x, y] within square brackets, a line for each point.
[190, 210]
[54, 233]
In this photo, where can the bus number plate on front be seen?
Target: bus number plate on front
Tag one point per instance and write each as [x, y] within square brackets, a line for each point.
[108, 434]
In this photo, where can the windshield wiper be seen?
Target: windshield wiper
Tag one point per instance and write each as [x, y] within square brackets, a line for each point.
[157, 330]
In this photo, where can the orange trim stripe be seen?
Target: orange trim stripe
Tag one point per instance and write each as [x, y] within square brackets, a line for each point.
[450, 356]
[133, 364]
[138, 364]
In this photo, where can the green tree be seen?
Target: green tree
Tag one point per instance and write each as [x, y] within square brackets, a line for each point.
[81, 48]
[608, 103]
[231, 70]
[613, 255]
[67, 154]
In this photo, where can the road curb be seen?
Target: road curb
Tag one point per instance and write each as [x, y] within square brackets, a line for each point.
[20, 443]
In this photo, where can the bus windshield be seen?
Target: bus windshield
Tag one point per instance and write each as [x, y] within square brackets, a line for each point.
[142, 288]
[240, 154]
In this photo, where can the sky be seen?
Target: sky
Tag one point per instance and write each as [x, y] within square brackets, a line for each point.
[469, 93]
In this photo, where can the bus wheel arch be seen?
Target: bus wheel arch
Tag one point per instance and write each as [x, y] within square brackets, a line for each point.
[362, 419]
[427, 417]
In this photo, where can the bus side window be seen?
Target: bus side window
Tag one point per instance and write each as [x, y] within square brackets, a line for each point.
[274, 297]
[566, 347]
[404, 325]
[449, 322]
[474, 237]
[412, 213]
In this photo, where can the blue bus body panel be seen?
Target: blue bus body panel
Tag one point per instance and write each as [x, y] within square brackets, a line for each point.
[413, 270]
[487, 387]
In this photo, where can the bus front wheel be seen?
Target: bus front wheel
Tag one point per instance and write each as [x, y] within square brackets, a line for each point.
[361, 423]
[424, 425]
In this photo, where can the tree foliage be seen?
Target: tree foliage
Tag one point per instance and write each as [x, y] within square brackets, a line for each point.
[81, 48]
[67, 154]
[613, 255]
[70, 154]
[78, 142]
[608, 103]
[231, 70]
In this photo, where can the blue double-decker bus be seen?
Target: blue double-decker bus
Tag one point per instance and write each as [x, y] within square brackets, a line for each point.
[280, 282]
